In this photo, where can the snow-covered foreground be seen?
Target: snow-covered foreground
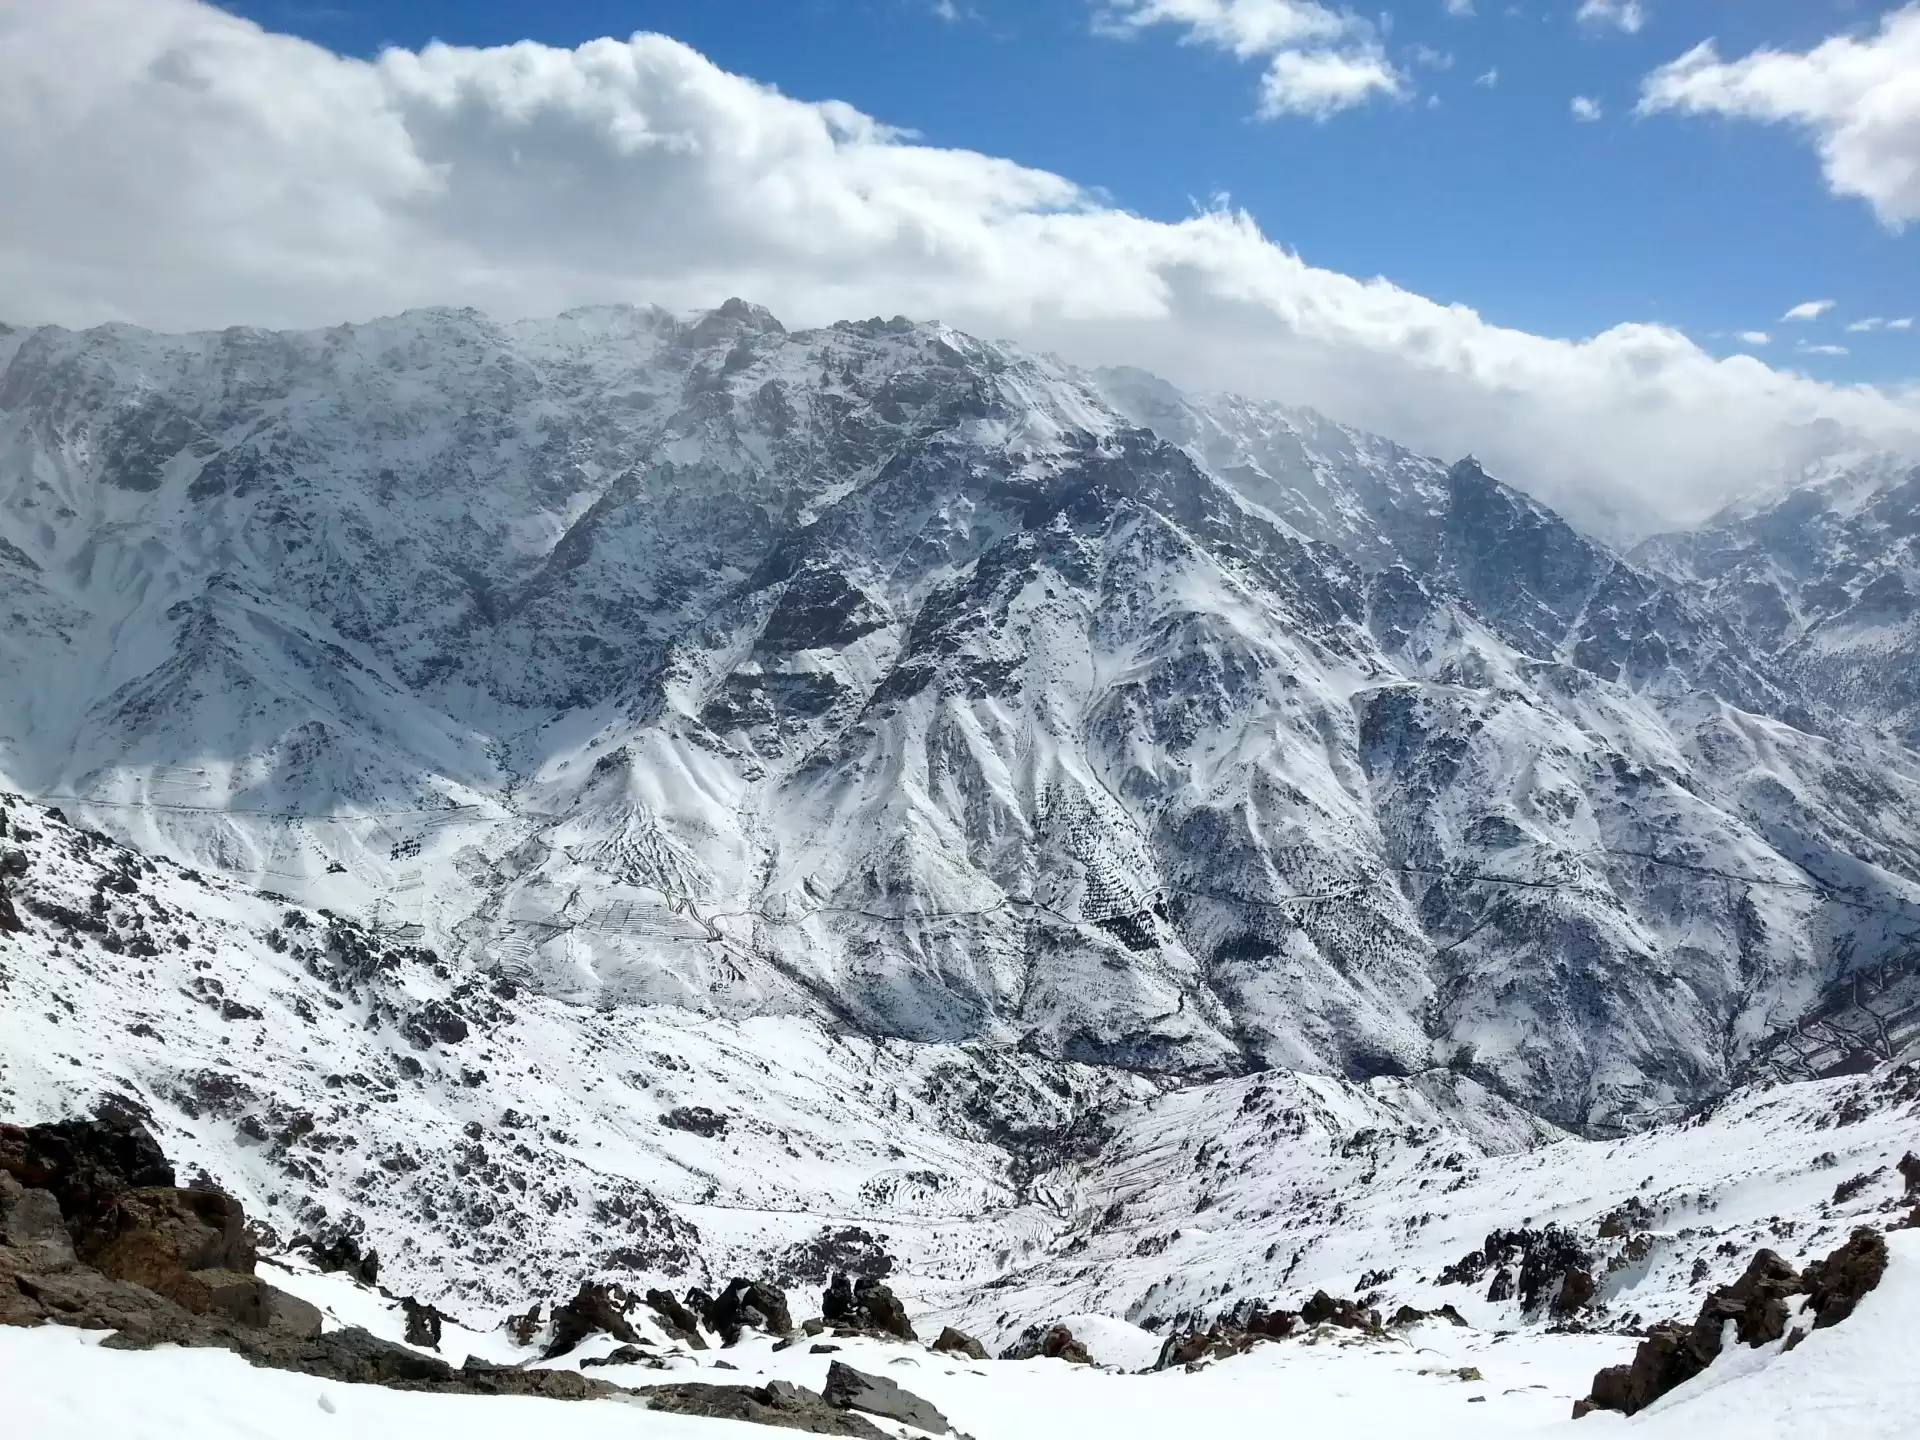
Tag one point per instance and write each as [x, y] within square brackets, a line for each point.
[1855, 1381]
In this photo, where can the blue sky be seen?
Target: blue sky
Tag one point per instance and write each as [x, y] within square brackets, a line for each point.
[1480, 188]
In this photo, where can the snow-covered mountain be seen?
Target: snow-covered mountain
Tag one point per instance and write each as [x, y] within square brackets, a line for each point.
[884, 678]
[1823, 580]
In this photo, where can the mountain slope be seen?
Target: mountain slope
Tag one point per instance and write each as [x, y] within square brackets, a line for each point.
[881, 677]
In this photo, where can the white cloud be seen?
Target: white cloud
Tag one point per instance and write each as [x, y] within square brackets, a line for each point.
[1754, 337]
[1905, 322]
[1863, 327]
[1429, 58]
[1806, 349]
[1808, 310]
[1320, 61]
[1626, 16]
[189, 169]
[1585, 109]
[1459, 9]
[1490, 79]
[1858, 98]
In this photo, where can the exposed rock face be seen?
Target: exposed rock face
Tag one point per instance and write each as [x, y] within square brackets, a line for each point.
[748, 1304]
[84, 1163]
[680, 1321]
[152, 1237]
[1323, 1309]
[424, 1323]
[343, 1253]
[596, 1309]
[1758, 1305]
[851, 1389]
[1835, 1284]
[791, 1407]
[958, 1342]
[865, 1304]
[1049, 1342]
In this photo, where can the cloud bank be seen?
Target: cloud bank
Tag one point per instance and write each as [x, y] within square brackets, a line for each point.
[189, 169]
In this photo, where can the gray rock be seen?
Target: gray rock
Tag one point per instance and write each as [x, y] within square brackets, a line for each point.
[851, 1389]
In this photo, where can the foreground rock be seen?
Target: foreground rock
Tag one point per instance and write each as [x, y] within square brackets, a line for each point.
[1762, 1306]
[94, 1245]
[792, 1407]
[92, 1204]
[851, 1389]
[595, 1310]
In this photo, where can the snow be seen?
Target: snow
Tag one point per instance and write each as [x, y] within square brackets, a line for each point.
[1851, 1382]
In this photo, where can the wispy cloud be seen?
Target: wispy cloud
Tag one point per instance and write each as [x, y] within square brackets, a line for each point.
[1586, 109]
[1808, 310]
[1806, 349]
[1489, 79]
[1754, 337]
[1459, 9]
[1626, 16]
[1320, 61]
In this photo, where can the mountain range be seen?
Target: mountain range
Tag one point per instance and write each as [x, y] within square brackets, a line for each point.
[912, 687]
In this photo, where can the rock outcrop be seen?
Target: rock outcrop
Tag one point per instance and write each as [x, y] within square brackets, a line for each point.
[1762, 1306]
[851, 1389]
[865, 1305]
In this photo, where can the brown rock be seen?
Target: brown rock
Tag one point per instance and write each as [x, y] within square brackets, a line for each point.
[1835, 1284]
[958, 1342]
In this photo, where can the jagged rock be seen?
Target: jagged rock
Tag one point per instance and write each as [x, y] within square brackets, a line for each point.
[157, 1237]
[525, 1327]
[423, 1323]
[1756, 1303]
[1050, 1342]
[1410, 1315]
[625, 1355]
[865, 1305]
[681, 1323]
[1574, 1293]
[343, 1253]
[85, 1163]
[1909, 1168]
[748, 1303]
[596, 1309]
[1502, 1286]
[792, 1407]
[30, 1221]
[851, 1389]
[1835, 1284]
[958, 1342]
[1323, 1309]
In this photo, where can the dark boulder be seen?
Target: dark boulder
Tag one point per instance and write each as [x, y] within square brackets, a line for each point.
[343, 1254]
[85, 1163]
[595, 1310]
[1835, 1284]
[1757, 1304]
[791, 1407]
[866, 1305]
[1409, 1315]
[851, 1389]
[1048, 1342]
[958, 1342]
[625, 1355]
[680, 1322]
[1502, 1286]
[748, 1304]
[424, 1323]
[1574, 1293]
[1323, 1309]
[151, 1237]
